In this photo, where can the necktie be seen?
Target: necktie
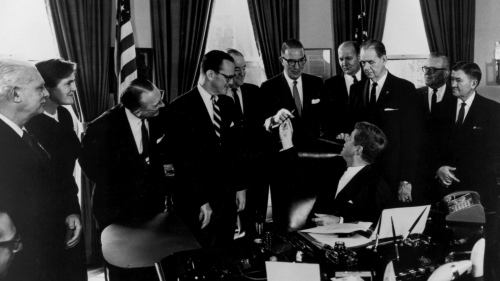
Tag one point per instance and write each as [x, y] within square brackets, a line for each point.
[145, 139]
[433, 99]
[237, 101]
[373, 95]
[37, 148]
[354, 79]
[217, 119]
[296, 97]
[461, 114]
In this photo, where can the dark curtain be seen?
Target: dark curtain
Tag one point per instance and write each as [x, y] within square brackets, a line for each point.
[83, 35]
[376, 12]
[273, 22]
[449, 26]
[180, 30]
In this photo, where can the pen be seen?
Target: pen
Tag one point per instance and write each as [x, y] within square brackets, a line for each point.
[378, 232]
[395, 240]
[414, 224]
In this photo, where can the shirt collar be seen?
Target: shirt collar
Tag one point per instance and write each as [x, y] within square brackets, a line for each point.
[132, 119]
[13, 125]
[468, 101]
[358, 75]
[53, 116]
[204, 94]
[290, 80]
[381, 82]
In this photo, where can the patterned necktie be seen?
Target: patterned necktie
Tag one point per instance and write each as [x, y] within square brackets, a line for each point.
[373, 95]
[433, 99]
[145, 139]
[296, 97]
[35, 146]
[217, 119]
[461, 114]
[354, 79]
[237, 101]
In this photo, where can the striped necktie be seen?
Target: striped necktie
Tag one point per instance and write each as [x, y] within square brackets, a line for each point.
[217, 118]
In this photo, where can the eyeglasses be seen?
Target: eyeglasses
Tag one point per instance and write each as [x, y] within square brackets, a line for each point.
[292, 63]
[15, 242]
[431, 70]
[228, 78]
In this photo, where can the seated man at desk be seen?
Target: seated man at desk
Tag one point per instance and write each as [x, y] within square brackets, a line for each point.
[348, 189]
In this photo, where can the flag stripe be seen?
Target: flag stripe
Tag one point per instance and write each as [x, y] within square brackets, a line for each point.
[128, 69]
[125, 64]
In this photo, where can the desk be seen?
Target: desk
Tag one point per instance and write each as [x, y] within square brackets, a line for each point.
[142, 242]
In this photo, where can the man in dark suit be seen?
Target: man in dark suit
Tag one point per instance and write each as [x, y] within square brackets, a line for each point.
[391, 103]
[204, 144]
[336, 100]
[343, 194]
[293, 93]
[467, 137]
[29, 190]
[248, 100]
[119, 153]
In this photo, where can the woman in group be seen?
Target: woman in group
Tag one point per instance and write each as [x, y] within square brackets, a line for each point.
[55, 131]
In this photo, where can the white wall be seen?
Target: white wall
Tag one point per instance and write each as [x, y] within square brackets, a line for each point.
[487, 32]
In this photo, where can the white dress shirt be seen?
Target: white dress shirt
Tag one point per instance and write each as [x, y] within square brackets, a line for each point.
[207, 99]
[13, 125]
[135, 125]
[240, 95]
[299, 87]
[349, 80]
[468, 103]
[53, 116]
[347, 177]
[380, 85]
[439, 94]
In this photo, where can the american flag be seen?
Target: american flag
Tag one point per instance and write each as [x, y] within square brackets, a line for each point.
[125, 66]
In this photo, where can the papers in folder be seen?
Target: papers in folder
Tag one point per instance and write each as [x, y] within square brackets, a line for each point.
[404, 219]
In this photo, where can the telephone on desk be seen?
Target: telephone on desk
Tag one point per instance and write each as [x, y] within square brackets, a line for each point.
[462, 207]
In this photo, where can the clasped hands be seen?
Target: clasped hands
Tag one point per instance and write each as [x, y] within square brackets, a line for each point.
[281, 116]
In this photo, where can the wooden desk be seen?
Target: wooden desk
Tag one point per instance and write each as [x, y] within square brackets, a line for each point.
[144, 242]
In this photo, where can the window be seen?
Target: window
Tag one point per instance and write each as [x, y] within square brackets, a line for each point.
[231, 27]
[25, 31]
[405, 40]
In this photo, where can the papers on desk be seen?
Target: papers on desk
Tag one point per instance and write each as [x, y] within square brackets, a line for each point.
[278, 271]
[404, 219]
[339, 228]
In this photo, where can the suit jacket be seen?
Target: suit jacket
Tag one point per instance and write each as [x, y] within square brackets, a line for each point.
[362, 199]
[397, 114]
[423, 95]
[125, 184]
[277, 95]
[204, 169]
[336, 105]
[471, 148]
[29, 193]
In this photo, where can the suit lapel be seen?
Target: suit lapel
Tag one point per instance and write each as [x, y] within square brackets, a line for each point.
[203, 118]
[127, 137]
[473, 112]
[352, 187]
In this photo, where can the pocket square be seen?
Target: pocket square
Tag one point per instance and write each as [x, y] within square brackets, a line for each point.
[315, 101]
[350, 201]
[391, 109]
[159, 140]
[477, 128]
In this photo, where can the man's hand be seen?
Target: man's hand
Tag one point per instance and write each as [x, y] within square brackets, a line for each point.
[205, 215]
[404, 191]
[75, 225]
[278, 119]
[343, 136]
[324, 219]
[241, 200]
[446, 176]
[286, 134]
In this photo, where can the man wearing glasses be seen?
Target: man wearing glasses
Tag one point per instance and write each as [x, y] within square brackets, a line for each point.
[204, 143]
[119, 154]
[10, 243]
[293, 94]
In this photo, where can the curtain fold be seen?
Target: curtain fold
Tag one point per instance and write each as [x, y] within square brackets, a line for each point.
[83, 35]
[449, 26]
[345, 23]
[273, 23]
[375, 14]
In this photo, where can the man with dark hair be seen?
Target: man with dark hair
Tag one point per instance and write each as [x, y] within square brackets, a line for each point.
[293, 93]
[356, 194]
[248, 101]
[467, 137]
[336, 101]
[391, 103]
[203, 145]
[120, 154]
